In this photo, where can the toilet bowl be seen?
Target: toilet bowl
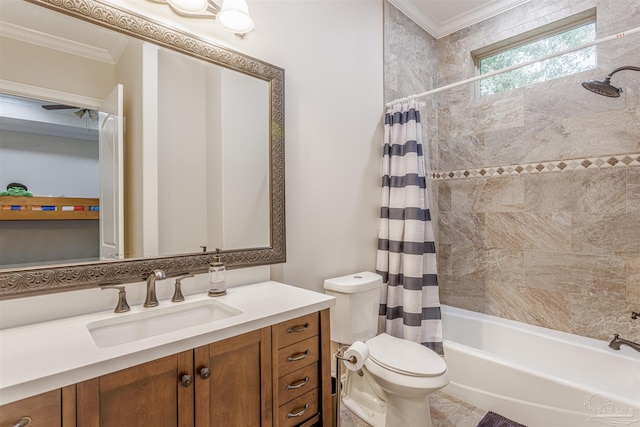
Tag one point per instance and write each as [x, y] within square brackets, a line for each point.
[392, 387]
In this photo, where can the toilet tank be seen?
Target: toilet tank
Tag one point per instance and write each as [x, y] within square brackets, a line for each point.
[355, 315]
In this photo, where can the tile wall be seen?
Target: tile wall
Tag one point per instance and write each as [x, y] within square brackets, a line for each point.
[536, 191]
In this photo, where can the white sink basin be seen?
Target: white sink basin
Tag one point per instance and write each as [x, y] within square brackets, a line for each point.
[158, 321]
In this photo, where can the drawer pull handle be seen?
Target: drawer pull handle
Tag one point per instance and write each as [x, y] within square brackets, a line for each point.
[300, 412]
[23, 422]
[298, 384]
[298, 356]
[299, 328]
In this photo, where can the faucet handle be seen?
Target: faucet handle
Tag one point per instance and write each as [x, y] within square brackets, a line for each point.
[122, 306]
[158, 275]
[177, 294]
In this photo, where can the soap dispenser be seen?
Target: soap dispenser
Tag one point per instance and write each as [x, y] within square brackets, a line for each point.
[217, 280]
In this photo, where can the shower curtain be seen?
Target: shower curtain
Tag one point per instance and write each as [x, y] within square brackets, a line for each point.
[406, 259]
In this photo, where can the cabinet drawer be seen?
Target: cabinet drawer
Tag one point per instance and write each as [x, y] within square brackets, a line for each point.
[299, 410]
[44, 410]
[297, 383]
[297, 329]
[298, 355]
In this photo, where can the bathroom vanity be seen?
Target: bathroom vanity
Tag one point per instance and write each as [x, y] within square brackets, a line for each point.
[266, 363]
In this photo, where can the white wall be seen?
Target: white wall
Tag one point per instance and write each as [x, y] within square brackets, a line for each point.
[245, 161]
[332, 55]
[182, 201]
[50, 165]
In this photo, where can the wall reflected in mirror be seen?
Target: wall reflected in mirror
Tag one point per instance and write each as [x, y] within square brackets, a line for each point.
[196, 141]
[52, 149]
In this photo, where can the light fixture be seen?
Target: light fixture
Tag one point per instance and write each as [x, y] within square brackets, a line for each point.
[233, 15]
[189, 7]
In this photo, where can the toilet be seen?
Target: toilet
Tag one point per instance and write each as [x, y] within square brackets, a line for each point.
[392, 387]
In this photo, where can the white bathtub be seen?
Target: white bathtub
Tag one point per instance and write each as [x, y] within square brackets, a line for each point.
[537, 376]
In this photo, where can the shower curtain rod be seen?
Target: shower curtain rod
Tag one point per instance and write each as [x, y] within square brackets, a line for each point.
[514, 67]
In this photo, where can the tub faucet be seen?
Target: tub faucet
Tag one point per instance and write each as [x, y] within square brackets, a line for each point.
[616, 342]
[152, 300]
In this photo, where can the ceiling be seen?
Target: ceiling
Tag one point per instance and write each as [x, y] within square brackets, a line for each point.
[438, 17]
[443, 17]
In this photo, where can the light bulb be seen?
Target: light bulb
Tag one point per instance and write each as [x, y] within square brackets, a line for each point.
[188, 6]
[234, 16]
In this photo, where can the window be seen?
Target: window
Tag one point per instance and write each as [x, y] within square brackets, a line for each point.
[552, 38]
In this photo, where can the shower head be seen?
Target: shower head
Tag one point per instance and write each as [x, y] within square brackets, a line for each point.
[605, 87]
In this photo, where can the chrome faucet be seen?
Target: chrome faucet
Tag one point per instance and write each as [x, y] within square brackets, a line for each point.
[152, 300]
[616, 342]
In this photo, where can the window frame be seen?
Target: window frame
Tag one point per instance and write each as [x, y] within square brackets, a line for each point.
[528, 37]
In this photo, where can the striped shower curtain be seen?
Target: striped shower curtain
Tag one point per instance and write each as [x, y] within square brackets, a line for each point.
[409, 301]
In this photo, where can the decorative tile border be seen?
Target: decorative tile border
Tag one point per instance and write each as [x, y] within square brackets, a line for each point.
[608, 162]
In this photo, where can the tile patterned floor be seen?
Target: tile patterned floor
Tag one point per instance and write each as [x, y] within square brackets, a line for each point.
[446, 411]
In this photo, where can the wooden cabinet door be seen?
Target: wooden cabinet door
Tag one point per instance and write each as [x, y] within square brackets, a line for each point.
[54, 408]
[44, 409]
[236, 391]
[151, 394]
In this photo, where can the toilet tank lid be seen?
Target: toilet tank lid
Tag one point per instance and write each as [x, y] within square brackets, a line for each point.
[353, 283]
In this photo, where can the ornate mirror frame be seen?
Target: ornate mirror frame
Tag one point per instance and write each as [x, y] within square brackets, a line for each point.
[48, 279]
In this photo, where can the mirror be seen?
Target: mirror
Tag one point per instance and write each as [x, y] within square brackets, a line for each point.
[181, 186]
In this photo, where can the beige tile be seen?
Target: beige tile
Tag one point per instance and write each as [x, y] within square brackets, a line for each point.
[604, 133]
[548, 231]
[349, 419]
[633, 190]
[533, 142]
[580, 191]
[609, 234]
[633, 282]
[462, 292]
[457, 151]
[443, 252]
[599, 317]
[505, 194]
[461, 228]
[633, 176]
[504, 265]
[541, 307]
[447, 411]
[600, 275]
[467, 261]
[444, 196]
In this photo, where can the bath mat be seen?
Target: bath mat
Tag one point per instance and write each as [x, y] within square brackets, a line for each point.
[496, 420]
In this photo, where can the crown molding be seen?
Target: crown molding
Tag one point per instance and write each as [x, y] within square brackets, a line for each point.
[109, 55]
[36, 92]
[458, 22]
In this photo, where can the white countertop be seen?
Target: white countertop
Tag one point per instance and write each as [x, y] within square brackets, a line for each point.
[49, 355]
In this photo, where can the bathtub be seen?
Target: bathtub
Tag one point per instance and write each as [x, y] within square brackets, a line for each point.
[537, 376]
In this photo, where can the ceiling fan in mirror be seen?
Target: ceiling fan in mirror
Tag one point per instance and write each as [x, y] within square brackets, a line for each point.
[92, 115]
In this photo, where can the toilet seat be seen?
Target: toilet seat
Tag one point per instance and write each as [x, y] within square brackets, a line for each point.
[405, 357]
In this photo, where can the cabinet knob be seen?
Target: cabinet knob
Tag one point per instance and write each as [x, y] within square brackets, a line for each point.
[23, 422]
[205, 373]
[186, 380]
